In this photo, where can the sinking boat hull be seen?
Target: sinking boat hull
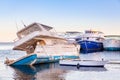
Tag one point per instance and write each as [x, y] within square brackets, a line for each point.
[83, 63]
[26, 60]
[50, 59]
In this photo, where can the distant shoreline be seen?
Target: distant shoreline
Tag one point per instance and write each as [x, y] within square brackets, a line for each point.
[6, 45]
[6, 42]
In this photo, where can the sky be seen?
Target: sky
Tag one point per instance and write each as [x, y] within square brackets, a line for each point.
[63, 15]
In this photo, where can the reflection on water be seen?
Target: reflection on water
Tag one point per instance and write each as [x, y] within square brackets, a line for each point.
[20, 75]
[30, 70]
[42, 72]
[54, 71]
[113, 67]
[108, 75]
[98, 69]
[51, 71]
[51, 74]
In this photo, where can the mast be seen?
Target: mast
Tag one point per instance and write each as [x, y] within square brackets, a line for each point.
[23, 24]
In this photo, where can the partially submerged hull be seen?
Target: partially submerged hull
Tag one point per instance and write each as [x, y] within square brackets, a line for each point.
[50, 59]
[25, 60]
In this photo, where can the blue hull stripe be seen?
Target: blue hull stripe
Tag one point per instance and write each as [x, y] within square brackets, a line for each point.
[112, 49]
[26, 61]
[53, 59]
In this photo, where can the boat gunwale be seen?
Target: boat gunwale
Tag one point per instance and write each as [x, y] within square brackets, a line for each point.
[21, 58]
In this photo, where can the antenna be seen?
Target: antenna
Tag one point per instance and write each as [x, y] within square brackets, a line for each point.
[23, 23]
[16, 26]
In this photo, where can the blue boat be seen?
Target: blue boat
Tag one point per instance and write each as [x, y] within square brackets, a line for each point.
[90, 46]
[25, 60]
[91, 41]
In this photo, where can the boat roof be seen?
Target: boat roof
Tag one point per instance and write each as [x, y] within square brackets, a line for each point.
[112, 35]
[93, 31]
[38, 24]
[72, 32]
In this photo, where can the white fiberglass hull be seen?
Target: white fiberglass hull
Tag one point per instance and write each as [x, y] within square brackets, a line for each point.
[111, 45]
[84, 63]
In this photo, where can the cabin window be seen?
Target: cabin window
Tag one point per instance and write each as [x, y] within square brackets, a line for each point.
[22, 36]
[42, 43]
[30, 30]
[54, 41]
[87, 37]
[98, 39]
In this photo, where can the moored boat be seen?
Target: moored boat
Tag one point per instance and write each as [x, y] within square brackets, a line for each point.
[83, 63]
[91, 41]
[71, 36]
[112, 43]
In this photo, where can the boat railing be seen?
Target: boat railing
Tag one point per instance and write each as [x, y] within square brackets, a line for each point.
[16, 39]
[54, 34]
[28, 37]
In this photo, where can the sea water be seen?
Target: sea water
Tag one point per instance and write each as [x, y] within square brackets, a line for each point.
[53, 71]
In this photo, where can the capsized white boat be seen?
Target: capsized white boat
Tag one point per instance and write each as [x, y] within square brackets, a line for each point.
[44, 41]
[83, 63]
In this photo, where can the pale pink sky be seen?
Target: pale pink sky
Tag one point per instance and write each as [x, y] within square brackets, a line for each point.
[63, 15]
[8, 33]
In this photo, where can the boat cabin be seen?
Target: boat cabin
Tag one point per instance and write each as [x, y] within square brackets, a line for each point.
[34, 33]
[32, 28]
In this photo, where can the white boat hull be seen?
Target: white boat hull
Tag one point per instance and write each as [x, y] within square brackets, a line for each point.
[111, 45]
[84, 63]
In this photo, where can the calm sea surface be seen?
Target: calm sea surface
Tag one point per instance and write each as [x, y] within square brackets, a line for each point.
[54, 71]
